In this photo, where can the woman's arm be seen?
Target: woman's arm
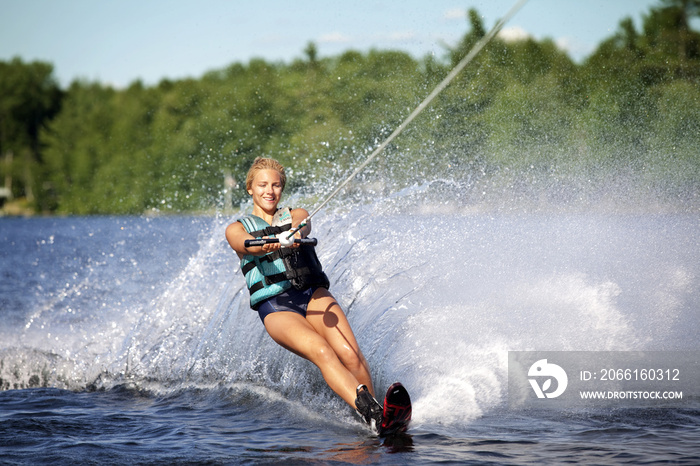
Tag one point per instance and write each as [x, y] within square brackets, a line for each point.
[236, 236]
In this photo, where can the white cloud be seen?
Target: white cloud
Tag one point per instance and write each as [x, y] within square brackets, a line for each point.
[513, 34]
[576, 49]
[402, 36]
[335, 38]
[270, 39]
[455, 13]
[566, 43]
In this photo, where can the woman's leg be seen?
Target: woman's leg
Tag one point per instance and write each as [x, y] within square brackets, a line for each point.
[294, 333]
[328, 319]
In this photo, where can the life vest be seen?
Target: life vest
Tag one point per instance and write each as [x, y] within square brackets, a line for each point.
[276, 272]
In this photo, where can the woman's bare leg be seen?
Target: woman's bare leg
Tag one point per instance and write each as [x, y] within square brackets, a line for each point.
[328, 319]
[294, 333]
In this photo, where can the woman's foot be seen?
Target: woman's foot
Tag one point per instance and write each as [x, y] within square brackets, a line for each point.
[368, 407]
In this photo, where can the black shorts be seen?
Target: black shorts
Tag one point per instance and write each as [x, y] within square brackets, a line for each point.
[291, 300]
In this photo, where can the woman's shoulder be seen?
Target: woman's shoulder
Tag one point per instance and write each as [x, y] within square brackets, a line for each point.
[235, 227]
[300, 211]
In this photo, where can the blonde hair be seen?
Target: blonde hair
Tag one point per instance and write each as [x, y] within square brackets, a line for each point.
[263, 163]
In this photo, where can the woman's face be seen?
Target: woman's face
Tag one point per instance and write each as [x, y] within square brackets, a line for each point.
[266, 189]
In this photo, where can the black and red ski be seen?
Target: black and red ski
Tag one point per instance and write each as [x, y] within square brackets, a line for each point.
[397, 411]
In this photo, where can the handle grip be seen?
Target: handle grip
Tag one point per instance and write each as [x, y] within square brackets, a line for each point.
[260, 241]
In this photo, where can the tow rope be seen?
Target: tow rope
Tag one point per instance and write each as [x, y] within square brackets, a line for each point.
[438, 89]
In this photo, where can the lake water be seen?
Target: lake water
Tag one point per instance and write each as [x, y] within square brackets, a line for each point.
[129, 339]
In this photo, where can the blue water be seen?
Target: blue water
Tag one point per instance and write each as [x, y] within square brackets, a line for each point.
[129, 339]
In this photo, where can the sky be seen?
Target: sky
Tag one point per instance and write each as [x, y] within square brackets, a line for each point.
[117, 42]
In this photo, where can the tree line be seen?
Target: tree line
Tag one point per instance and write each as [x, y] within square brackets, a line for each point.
[521, 109]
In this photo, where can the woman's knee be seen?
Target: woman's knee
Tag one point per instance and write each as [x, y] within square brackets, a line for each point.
[322, 355]
[353, 360]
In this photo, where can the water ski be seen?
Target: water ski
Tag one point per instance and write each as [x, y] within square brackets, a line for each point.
[397, 411]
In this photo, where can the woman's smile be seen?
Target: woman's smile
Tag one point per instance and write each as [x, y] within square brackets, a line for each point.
[266, 189]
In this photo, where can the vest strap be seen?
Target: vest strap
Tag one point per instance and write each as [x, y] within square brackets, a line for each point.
[256, 287]
[267, 231]
[276, 278]
[280, 270]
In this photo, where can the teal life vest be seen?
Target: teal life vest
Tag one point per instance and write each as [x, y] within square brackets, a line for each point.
[276, 272]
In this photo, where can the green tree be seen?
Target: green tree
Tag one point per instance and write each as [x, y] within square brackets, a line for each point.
[75, 142]
[669, 26]
[29, 98]
[523, 111]
[674, 137]
[476, 32]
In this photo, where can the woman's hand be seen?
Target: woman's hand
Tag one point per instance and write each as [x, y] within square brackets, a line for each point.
[269, 247]
[286, 241]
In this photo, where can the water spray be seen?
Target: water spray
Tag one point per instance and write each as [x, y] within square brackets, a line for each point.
[438, 89]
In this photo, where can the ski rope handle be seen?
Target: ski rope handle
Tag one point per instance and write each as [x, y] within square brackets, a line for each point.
[261, 241]
[438, 89]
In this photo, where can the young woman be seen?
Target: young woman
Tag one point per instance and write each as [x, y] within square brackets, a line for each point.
[293, 302]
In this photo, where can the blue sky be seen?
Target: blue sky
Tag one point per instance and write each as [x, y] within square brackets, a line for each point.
[119, 41]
